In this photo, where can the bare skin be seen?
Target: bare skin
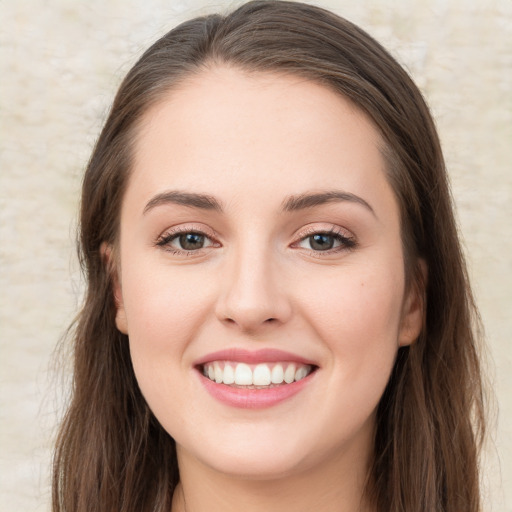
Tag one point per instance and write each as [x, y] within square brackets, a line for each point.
[277, 187]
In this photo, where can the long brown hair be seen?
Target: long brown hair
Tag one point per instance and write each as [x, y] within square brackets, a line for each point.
[112, 454]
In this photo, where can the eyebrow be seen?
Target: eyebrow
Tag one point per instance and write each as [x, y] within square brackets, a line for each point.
[304, 201]
[290, 204]
[193, 200]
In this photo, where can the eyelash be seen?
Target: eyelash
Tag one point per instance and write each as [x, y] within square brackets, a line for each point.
[347, 243]
[164, 241]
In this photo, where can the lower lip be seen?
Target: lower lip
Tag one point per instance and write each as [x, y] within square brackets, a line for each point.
[253, 398]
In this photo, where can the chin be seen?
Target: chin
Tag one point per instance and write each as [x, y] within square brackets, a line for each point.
[254, 466]
[251, 457]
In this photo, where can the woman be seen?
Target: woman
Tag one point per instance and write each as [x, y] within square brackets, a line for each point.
[277, 315]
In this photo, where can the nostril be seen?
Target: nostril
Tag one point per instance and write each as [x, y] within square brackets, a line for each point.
[271, 320]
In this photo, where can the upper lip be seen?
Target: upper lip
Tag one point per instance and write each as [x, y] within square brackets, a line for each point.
[269, 355]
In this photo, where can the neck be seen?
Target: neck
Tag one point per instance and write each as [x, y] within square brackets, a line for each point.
[336, 486]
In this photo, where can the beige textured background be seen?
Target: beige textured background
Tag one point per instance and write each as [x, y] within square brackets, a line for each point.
[60, 63]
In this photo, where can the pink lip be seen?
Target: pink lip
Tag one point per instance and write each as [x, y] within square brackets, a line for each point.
[253, 357]
[253, 398]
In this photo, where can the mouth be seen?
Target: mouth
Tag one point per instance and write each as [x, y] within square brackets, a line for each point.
[255, 376]
[254, 379]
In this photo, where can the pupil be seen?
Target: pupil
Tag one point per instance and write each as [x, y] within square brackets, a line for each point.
[321, 242]
[191, 241]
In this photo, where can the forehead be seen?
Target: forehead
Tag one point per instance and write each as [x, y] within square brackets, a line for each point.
[229, 131]
[232, 99]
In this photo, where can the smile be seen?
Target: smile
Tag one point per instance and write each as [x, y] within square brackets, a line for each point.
[255, 376]
[254, 379]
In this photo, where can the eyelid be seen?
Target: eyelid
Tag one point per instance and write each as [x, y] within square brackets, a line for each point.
[348, 239]
[169, 234]
[344, 236]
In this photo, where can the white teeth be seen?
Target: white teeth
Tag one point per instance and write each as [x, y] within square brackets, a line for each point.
[289, 374]
[243, 375]
[263, 374]
[229, 374]
[218, 373]
[277, 374]
[301, 373]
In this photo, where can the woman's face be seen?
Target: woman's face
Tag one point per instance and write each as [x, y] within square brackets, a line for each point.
[261, 276]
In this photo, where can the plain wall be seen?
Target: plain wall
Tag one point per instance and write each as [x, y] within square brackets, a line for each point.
[60, 64]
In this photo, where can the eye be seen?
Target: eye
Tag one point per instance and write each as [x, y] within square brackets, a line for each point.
[321, 242]
[184, 241]
[325, 241]
[190, 241]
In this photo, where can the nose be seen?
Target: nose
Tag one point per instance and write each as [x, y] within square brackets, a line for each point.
[254, 294]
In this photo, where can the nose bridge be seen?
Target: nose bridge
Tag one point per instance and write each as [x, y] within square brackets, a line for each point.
[253, 294]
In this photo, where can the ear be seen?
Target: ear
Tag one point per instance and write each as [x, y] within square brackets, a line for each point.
[414, 307]
[110, 261]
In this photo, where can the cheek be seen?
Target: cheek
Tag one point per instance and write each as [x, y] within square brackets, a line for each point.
[357, 314]
[163, 317]
[164, 305]
[164, 311]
